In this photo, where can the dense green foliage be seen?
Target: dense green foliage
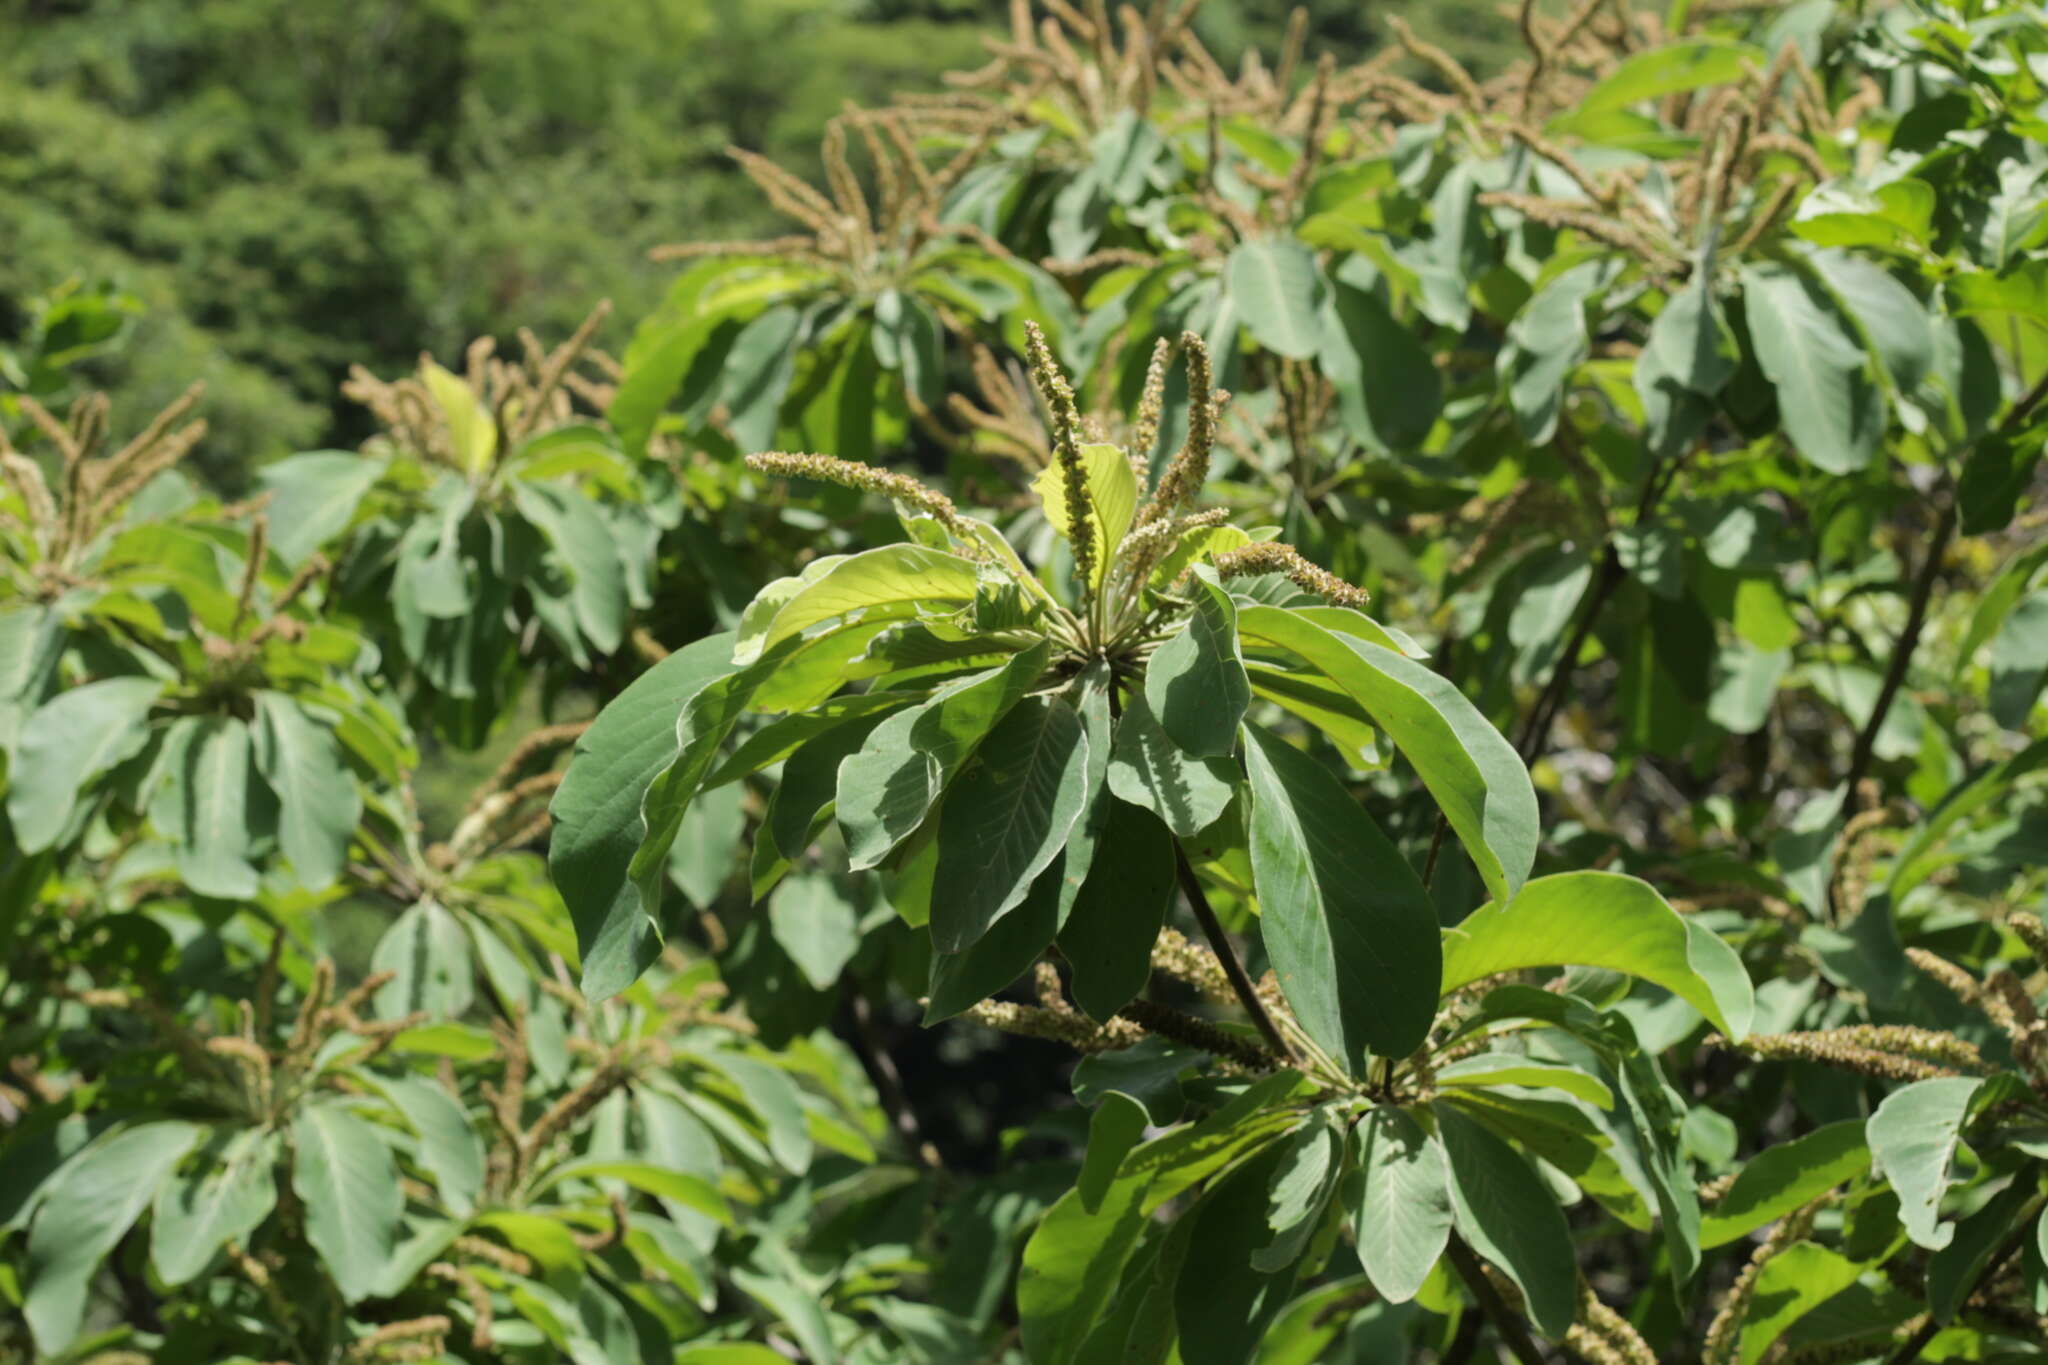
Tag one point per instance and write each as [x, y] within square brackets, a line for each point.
[1614, 947]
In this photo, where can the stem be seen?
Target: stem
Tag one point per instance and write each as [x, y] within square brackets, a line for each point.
[888, 1081]
[1537, 727]
[1212, 929]
[1505, 1320]
[1902, 652]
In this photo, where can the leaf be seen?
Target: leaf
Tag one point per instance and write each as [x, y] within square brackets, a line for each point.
[1510, 1068]
[1108, 937]
[1388, 392]
[1692, 341]
[1475, 775]
[1996, 472]
[346, 1177]
[1277, 289]
[1502, 1206]
[472, 430]
[1118, 1124]
[1351, 932]
[1831, 410]
[428, 956]
[798, 1308]
[217, 841]
[318, 804]
[774, 1098]
[1787, 1176]
[1892, 322]
[450, 1148]
[1006, 817]
[587, 547]
[757, 374]
[894, 579]
[1912, 1139]
[887, 789]
[1546, 342]
[229, 1190]
[1222, 1301]
[1195, 683]
[816, 925]
[1146, 768]
[1790, 1285]
[1955, 1271]
[1112, 494]
[598, 825]
[690, 1191]
[1668, 69]
[2019, 661]
[313, 497]
[86, 1208]
[1602, 919]
[1404, 1213]
[74, 737]
[1071, 1267]
[1309, 1166]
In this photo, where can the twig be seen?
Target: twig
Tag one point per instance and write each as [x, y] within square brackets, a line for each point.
[1212, 929]
[888, 1081]
[1504, 1319]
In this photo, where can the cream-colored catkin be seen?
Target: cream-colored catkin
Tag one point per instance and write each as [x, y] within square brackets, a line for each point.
[1274, 557]
[1189, 469]
[867, 478]
[1058, 395]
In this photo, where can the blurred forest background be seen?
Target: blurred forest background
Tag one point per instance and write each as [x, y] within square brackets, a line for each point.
[276, 189]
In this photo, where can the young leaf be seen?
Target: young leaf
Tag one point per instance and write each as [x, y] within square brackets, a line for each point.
[1350, 929]
[1196, 683]
[1404, 1214]
[75, 736]
[1006, 817]
[229, 1190]
[1108, 937]
[1602, 919]
[472, 431]
[347, 1178]
[1146, 768]
[1112, 493]
[1509, 1068]
[85, 1210]
[894, 580]
[1474, 774]
[1505, 1210]
[318, 804]
[597, 818]
[1912, 1139]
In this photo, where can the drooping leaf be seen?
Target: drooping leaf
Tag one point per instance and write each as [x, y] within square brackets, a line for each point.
[1503, 1207]
[1509, 1068]
[1223, 1300]
[1347, 923]
[230, 1189]
[89, 1204]
[1833, 412]
[894, 580]
[318, 803]
[1108, 937]
[1195, 683]
[428, 956]
[347, 1178]
[1310, 1165]
[75, 736]
[586, 546]
[1006, 817]
[1388, 391]
[1546, 342]
[1912, 1139]
[1475, 775]
[1404, 1213]
[1602, 919]
[1146, 768]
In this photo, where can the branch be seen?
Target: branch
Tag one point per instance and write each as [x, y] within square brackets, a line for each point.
[1504, 1319]
[1902, 651]
[1212, 929]
[888, 1081]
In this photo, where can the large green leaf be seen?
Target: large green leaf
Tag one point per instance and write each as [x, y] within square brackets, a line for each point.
[1832, 411]
[428, 955]
[1311, 1165]
[318, 804]
[1404, 1211]
[896, 579]
[217, 840]
[1146, 768]
[229, 1189]
[1546, 342]
[1602, 919]
[890, 785]
[1351, 932]
[1006, 817]
[1912, 1139]
[347, 1179]
[1668, 69]
[1388, 390]
[1277, 289]
[1071, 1267]
[1195, 683]
[816, 925]
[1780, 1179]
[1790, 1285]
[313, 497]
[72, 738]
[1475, 775]
[450, 1148]
[1505, 1209]
[1108, 937]
[586, 547]
[86, 1209]
[598, 825]
[1223, 1300]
